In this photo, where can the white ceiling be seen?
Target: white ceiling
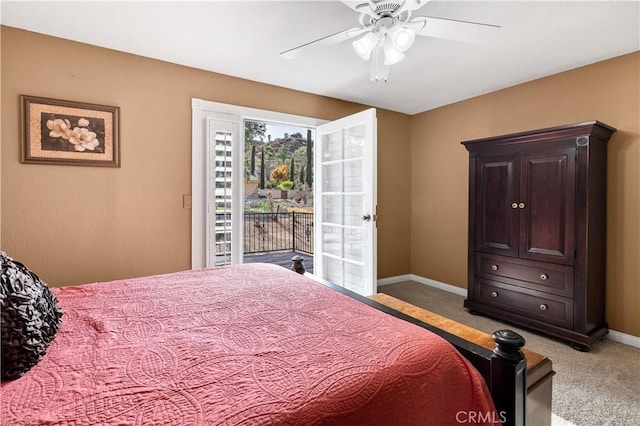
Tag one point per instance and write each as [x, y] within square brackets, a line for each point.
[244, 39]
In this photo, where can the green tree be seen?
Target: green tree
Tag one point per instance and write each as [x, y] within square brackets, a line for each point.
[268, 150]
[302, 175]
[282, 154]
[309, 168]
[286, 185]
[247, 175]
[253, 159]
[253, 130]
[293, 170]
[300, 155]
[268, 154]
[261, 184]
[280, 173]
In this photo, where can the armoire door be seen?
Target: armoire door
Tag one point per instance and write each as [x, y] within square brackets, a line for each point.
[497, 217]
[547, 194]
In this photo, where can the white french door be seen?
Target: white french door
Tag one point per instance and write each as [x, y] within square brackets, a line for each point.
[344, 191]
[217, 178]
[345, 202]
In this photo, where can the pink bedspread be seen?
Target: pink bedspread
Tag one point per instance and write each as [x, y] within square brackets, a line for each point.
[244, 345]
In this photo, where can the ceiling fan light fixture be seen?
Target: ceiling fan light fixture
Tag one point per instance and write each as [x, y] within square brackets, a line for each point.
[401, 37]
[365, 45]
[379, 70]
[391, 55]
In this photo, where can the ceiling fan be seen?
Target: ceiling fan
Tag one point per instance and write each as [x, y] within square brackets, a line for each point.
[389, 30]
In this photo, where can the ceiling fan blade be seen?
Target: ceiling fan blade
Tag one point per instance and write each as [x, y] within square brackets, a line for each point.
[450, 29]
[356, 5]
[322, 42]
[410, 5]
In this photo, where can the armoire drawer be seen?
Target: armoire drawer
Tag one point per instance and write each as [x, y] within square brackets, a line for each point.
[528, 303]
[550, 278]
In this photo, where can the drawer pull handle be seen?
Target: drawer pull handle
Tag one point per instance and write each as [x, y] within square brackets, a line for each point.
[494, 294]
[544, 277]
[514, 205]
[494, 267]
[543, 307]
[521, 205]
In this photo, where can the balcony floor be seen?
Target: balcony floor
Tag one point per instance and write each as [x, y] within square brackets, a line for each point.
[282, 258]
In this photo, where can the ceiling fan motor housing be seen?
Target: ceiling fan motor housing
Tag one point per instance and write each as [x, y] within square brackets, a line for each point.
[383, 14]
[386, 8]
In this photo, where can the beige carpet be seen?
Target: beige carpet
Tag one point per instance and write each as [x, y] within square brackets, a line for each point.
[600, 387]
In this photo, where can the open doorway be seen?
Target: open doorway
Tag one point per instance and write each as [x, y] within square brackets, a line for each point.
[278, 193]
[344, 190]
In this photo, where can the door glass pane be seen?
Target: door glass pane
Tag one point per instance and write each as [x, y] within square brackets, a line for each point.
[353, 176]
[332, 209]
[331, 146]
[220, 199]
[332, 269]
[353, 244]
[332, 178]
[332, 240]
[353, 141]
[354, 277]
[353, 210]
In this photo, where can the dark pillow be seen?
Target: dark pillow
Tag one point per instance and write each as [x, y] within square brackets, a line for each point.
[30, 318]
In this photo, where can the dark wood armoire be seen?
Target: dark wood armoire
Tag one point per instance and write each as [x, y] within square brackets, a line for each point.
[537, 210]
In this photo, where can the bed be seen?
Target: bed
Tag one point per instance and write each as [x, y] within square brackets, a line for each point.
[256, 344]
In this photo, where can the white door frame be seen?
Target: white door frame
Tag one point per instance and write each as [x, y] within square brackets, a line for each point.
[202, 111]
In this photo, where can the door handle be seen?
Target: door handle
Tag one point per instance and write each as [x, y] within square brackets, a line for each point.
[366, 217]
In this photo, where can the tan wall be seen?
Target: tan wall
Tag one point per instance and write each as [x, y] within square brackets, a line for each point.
[607, 91]
[82, 224]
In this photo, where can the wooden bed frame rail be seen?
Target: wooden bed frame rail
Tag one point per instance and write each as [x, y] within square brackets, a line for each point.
[504, 368]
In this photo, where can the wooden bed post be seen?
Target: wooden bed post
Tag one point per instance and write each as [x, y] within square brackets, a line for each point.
[508, 377]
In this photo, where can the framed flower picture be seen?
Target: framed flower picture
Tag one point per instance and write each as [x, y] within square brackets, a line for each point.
[67, 132]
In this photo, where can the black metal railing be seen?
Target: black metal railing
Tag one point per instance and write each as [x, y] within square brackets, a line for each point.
[266, 232]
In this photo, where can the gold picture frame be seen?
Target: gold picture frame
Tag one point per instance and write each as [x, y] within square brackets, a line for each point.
[69, 133]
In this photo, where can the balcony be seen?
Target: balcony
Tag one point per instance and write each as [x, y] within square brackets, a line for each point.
[277, 237]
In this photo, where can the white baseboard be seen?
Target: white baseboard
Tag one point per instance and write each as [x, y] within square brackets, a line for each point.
[440, 285]
[627, 339]
[394, 280]
[426, 281]
[616, 336]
